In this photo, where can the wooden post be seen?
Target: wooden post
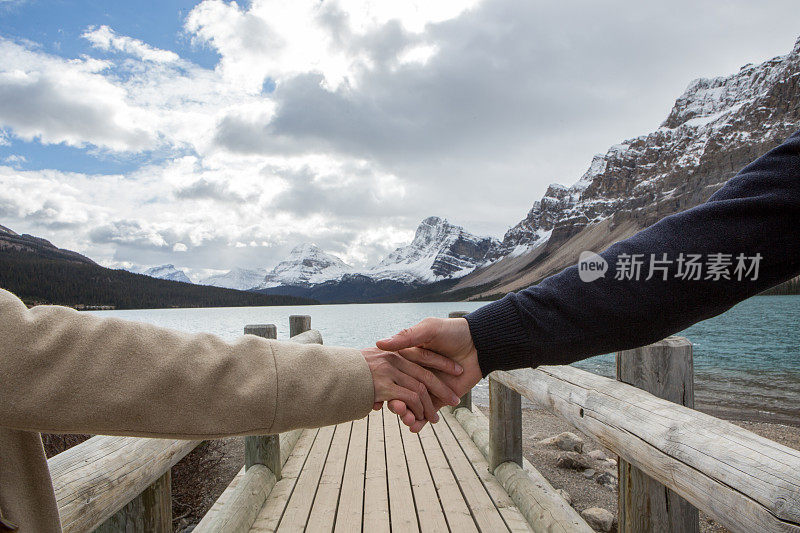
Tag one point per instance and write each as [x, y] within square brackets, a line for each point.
[505, 425]
[263, 449]
[664, 369]
[298, 324]
[268, 331]
[466, 400]
[150, 511]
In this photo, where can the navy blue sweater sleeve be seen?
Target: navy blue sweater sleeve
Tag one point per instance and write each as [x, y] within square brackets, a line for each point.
[755, 215]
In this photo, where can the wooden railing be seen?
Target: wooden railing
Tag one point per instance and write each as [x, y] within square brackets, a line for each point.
[674, 460]
[111, 484]
[117, 483]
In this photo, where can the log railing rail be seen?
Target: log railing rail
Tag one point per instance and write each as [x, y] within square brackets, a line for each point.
[743, 481]
[116, 483]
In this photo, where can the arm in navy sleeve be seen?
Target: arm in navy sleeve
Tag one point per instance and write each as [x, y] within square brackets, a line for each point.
[564, 319]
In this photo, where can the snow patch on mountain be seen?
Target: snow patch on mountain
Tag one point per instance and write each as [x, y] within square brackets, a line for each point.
[237, 278]
[168, 272]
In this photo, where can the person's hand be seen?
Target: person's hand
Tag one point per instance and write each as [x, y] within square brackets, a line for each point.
[416, 388]
[430, 339]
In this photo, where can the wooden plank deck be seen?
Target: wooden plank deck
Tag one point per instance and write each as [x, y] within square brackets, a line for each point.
[373, 475]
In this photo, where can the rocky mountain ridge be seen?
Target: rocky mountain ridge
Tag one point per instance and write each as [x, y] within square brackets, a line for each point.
[440, 250]
[715, 128]
[11, 240]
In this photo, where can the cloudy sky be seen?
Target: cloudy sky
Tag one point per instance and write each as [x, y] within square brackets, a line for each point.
[216, 134]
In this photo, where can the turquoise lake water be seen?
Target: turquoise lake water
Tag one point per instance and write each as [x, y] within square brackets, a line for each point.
[747, 360]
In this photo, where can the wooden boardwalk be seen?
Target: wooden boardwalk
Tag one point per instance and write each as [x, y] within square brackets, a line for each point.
[373, 475]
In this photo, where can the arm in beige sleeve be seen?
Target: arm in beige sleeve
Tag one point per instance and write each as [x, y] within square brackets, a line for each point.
[62, 371]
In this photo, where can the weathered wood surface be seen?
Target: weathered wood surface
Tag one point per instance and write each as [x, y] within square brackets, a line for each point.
[511, 515]
[429, 509]
[664, 369]
[351, 500]
[150, 512]
[326, 499]
[743, 481]
[263, 450]
[505, 425]
[97, 478]
[376, 491]
[347, 477]
[480, 503]
[243, 504]
[272, 511]
[298, 324]
[537, 500]
[267, 331]
[401, 498]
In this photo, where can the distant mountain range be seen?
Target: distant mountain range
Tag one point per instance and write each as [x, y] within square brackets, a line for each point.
[238, 278]
[440, 251]
[40, 273]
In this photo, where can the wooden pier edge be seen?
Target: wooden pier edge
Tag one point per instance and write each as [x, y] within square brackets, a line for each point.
[540, 504]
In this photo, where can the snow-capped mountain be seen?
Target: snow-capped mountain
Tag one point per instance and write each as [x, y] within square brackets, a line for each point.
[440, 250]
[306, 265]
[237, 278]
[167, 272]
[715, 128]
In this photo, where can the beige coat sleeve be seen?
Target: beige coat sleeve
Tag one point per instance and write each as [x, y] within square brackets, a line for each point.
[62, 371]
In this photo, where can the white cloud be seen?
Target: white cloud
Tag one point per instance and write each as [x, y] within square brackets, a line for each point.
[276, 39]
[179, 247]
[15, 160]
[53, 100]
[105, 38]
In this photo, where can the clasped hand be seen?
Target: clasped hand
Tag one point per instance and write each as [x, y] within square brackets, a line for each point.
[423, 368]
